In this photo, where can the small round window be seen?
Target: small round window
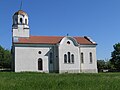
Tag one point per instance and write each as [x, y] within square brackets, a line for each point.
[39, 52]
[68, 42]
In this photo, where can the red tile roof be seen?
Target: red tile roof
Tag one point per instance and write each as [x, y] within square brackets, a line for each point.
[51, 40]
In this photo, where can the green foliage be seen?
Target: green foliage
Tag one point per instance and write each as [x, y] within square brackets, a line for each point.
[5, 58]
[39, 81]
[101, 64]
[115, 60]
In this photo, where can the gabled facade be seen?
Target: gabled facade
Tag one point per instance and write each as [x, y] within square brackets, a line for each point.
[50, 53]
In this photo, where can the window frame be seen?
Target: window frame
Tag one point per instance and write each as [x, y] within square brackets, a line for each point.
[69, 57]
[65, 58]
[39, 52]
[21, 21]
[40, 64]
[91, 57]
[25, 21]
[82, 57]
[72, 58]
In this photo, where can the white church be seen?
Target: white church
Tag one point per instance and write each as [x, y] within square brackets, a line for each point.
[61, 54]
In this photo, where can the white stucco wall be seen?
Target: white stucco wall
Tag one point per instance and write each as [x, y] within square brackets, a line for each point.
[87, 66]
[64, 48]
[21, 32]
[26, 58]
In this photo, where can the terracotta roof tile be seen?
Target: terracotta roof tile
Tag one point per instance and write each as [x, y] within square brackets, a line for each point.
[82, 40]
[21, 12]
[50, 40]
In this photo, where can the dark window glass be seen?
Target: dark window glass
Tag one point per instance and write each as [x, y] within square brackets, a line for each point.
[68, 57]
[21, 21]
[40, 67]
[65, 58]
[68, 42]
[39, 52]
[82, 58]
[90, 57]
[26, 21]
[72, 56]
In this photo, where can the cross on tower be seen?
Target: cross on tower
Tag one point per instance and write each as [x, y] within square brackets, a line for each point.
[21, 5]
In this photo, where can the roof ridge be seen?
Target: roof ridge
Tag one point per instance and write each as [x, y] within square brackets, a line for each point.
[52, 40]
[54, 36]
[46, 36]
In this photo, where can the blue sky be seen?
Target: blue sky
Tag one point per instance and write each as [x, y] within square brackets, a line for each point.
[99, 19]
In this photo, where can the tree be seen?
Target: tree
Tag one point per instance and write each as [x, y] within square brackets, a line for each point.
[115, 60]
[100, 65]
[109, 65]
[1, 55]
[104, 64]
[5, 58]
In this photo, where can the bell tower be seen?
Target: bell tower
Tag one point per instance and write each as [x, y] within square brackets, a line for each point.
[20, 27]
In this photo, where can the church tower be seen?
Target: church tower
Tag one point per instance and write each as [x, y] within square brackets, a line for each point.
[20, 27]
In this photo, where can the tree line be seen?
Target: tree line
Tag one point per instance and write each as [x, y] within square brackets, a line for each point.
[5, 58]
[114, 63]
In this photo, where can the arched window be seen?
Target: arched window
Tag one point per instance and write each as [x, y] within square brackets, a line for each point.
[82, 58]
[21, 21]
[65, 58]
[90, 57]
[72, 57]
[26, 21]
[68, 57]
[51, 59]
[40, 67]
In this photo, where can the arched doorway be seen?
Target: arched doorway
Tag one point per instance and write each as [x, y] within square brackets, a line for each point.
[40, 66]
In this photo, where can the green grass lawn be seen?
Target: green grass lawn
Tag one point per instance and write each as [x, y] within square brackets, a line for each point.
[41, 81]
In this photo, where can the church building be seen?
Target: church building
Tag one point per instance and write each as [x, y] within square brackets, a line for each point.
[61, 54]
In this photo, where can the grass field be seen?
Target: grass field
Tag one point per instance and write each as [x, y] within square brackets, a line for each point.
[41, 81]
